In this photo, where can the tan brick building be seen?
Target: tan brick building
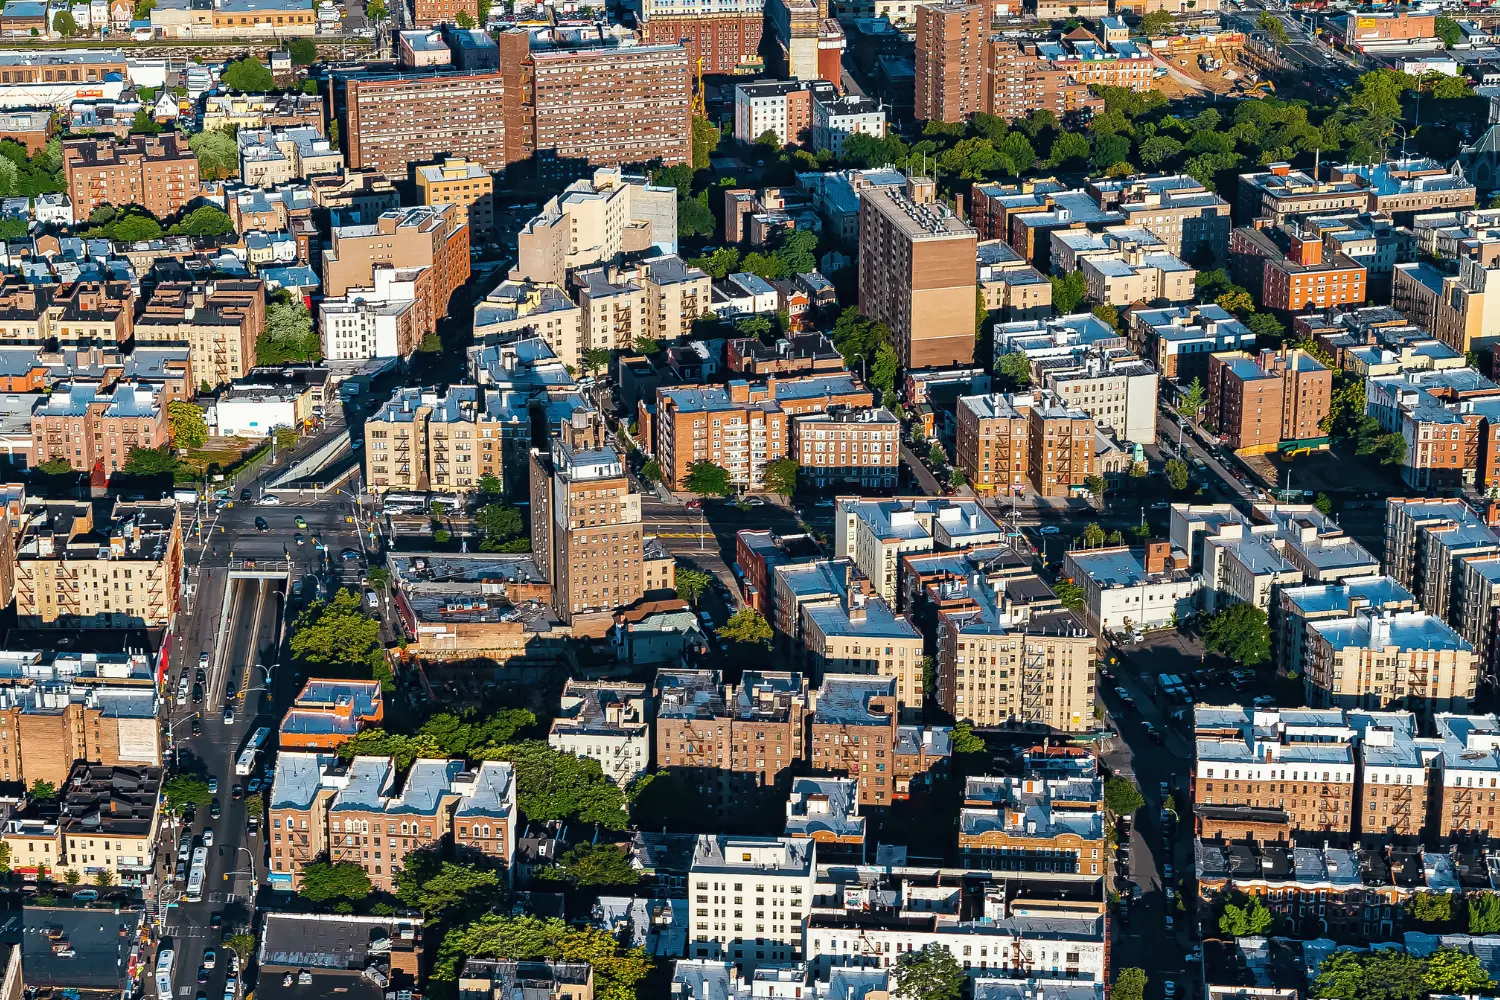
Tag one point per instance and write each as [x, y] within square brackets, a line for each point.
[433, 238]
[422, 441]
[457, 181]
[1393, 778]
[220, 320]
[120, 574]
[857, 633]
[157, 172]
[586, 524]
[1376, 658]
[75, 314]
[1468, 779]
[1047, 820]
[992, 446]
[950, 60]
[843, 445]
[108, 823]
[917, 274]
[1257, 404]
[855, 732]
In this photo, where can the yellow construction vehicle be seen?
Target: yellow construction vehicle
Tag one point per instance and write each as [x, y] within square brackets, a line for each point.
[699, 107]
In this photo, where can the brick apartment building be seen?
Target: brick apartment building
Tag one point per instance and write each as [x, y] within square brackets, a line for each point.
[108, 819]
[991, 444]
[728, 41]
[456, 181]
[71, 573]
[781, 107]
[1050, 819]
[1298, 276]
[758, 551]
[157, 172]
[90, 427]
[917, 274]
[730, 740]
[950, 60]
[1060, 446]
[426, 13]
[586, 524]
[843, 445]
[1018, 79]
[432, 238]
[855, 732]
[1257, 403]
[420, 440]
[219, 320]
[74, 314]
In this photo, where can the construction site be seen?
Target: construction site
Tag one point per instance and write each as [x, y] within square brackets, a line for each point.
[1225, 63]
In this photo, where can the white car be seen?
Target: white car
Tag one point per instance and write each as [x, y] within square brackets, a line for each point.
[754, 502]
[208, 836]
[270, 500]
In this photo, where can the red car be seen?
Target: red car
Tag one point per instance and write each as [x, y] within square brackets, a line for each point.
[694, 504]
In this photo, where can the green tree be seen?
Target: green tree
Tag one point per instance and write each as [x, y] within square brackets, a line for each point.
[930, 974]
[651, 471]
[499, 523]
[1069, 150]
[1093, 535]
[64, 24]
[1243, 916]
[1448, 30]
[134, 227]
[242, 945]
[746, 625]
[56, 467]
[184, 790]
[1266, 326]
[1194, 399]
[781, 477]
[937, 455]
[248, 76]
[143, 124]
[1484, 913]
[379, 743]
[1237, 301]
[150, 462]
[304, 51]
[444, 889]
[1068, 292]
[254, 806]
[72, 876]
[217, 152]
[593, 866]
[1455, 973]
[337, 636]
[554, 785]
[691, 584]
[694, 216]
[1015, 366]
[796, 252]
[618, 969]
[1070, 594]
[1272, 26]
[965, 740]
[375, 10]
[210, 220]
[1324, 503]
[1177, 473]
[647, 346]
[1096, 485]
[323, 881]
[719, 264]
[1430, 909]
[189, 430]
[883, 368]
[143, 8]
[43, 791]
[288, 335]
[1121, 795]
[1241, 633]
[1130, 984]
[460, 735]
[595, 359]
[708, 480]
[104, 878]
[1390, 449]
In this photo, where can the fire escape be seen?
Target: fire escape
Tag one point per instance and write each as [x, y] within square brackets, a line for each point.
[1033, 681]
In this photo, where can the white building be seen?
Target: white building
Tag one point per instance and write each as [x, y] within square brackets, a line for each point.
[780, 106]
[372, 322]
[606, 722]
[758, 891]
[836, 119]
[1132, 589]
[875, 534]
[255, 410]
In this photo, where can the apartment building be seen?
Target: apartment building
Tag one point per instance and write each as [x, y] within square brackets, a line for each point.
[60, 708]
[836, 118]
[327, 712]
[1008, 653]
[383, 321]
[992, 447]
[1244, 563]
[1060, 446]
[1378, 658]
[516, 310]
[594, 222]
[420, 440]
[389, 120]
[758, 553]
[917, 274]
[1402, 187]
[741, 426]
[1295, 607]
[1019, 78]
[352, 812]
[426, 13]
[256, 111]
[123, 572]
[950, 60]
[1299, 275]
[74, 313]
[874, 534]
[272, 156]
[1191, 221]
[107, 825]
[858, 633]
[1279, 192]
[847, 446]
[1049, 820]
[433, 238]
[1450, 420]
[780, 107]
[92, 428]
[614, 309]
[1428, 542]
[1469, 766]
[1456, 304]
[730, 740]
[606, 722]
[454, 180]
[586, 524]
[1270, 776]
[855, 731]
[1178, 342]
[611, 106]
[777, 873]
[1393, 777]
[1257, 404]
[1137, 275]
[157, 172]
[218, 320]
[725, 34]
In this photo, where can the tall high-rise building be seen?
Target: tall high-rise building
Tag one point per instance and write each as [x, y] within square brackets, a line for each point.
[586, 524]
[950, 60]
[917, 273]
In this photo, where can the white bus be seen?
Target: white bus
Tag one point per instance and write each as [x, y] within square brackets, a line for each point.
[164, 959]
[194, 892]
[246, 764]
[404, 503]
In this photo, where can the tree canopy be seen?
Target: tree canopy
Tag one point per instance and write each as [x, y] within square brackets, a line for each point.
[1242, 916]
[618, 969]
[444, 888]
[930, 974]
[323, 881]
[150, 462]
[1241, 632]
[593, 866]
[189, 430]
[746, 625]
[555, 785]
[248, 76]
[781, 476]
[288, 336]
[691, 583]
[337, 636]
[217, 152]
[1121, 796]
[708, 480]
[184, 790]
